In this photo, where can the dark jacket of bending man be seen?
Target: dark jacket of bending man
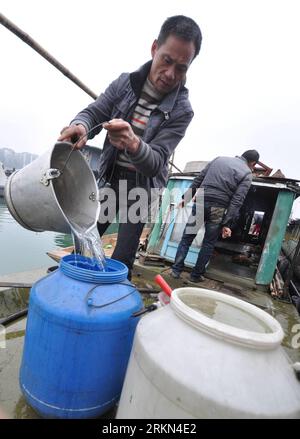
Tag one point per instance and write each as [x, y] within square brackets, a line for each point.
[225, 182]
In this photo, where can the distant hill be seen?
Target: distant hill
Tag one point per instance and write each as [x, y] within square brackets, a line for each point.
[15, 160]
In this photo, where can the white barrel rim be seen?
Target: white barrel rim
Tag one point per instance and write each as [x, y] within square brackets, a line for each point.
[222, 330]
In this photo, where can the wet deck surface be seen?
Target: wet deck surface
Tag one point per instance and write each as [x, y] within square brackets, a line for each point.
[12, 403]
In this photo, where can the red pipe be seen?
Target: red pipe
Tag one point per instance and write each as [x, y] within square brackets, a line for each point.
[163, 284]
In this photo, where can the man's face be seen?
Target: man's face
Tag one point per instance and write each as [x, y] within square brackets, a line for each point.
[170, 63]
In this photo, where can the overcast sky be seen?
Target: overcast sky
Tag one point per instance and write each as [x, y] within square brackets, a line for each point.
[244, 85]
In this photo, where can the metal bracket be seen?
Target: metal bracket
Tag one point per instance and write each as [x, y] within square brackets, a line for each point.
[50, 174]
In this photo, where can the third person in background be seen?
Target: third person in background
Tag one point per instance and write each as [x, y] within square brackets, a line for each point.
[225, 182]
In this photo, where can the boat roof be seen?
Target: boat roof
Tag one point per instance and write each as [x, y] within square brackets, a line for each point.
[279, 182]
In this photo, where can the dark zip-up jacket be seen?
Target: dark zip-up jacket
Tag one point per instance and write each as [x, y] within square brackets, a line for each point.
[166, 126]
[226, 182]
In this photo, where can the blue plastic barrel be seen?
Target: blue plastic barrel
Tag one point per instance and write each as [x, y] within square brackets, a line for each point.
[78, 339]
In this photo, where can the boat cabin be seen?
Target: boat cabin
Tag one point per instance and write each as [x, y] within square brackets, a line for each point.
[252, 251]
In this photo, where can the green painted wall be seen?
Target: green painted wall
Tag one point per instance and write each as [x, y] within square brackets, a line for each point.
[273, 243]
[155, 233]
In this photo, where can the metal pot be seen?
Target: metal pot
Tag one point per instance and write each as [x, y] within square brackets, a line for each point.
[41, 198]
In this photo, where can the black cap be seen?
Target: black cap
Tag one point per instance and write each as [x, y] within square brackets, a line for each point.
[251, 155]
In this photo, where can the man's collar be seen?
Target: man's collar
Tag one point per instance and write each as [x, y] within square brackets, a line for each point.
[137, 79]
[242, 158]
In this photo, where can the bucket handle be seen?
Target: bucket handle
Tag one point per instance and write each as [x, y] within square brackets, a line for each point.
[50, 174]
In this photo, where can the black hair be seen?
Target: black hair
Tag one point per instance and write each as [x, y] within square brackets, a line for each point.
[182, 27]
[251, 155]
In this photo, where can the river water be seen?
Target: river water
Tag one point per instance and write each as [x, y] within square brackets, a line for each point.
[21, 249]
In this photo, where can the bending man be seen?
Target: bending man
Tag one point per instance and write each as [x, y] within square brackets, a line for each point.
[225, 182]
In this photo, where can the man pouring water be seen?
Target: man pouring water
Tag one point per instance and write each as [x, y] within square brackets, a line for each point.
[146, 114]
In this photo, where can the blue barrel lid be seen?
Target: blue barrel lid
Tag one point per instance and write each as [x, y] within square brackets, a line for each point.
[82, 296]
[84, 269]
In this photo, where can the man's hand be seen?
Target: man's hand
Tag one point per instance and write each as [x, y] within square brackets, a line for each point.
[121, 135]
[180, 205]
[72, 134]
[226, 232]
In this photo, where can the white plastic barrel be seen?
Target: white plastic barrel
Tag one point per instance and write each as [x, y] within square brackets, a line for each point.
[209, 355]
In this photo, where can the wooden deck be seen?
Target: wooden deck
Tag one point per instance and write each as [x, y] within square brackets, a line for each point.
[108, 243]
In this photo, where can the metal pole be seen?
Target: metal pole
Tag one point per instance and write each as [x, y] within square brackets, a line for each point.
[15, 285]
[174, 166]
[39, 49]
[35, 46]
[14, 317]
